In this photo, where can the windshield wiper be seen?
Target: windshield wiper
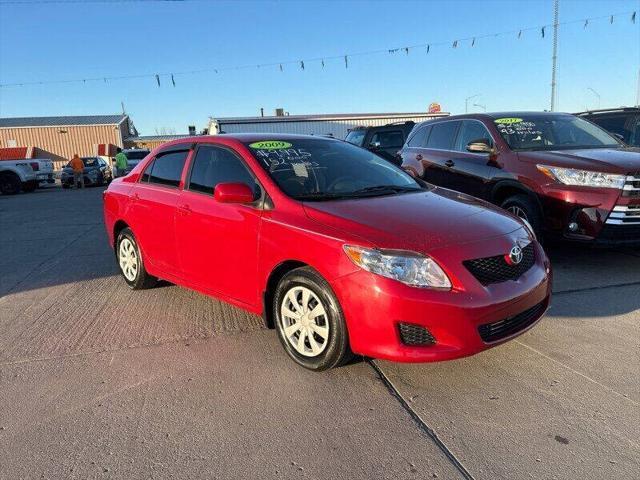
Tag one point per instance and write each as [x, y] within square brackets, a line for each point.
[322, 196]
[388, 188]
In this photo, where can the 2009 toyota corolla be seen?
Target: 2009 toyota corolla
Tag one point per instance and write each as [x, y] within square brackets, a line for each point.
[341, 251]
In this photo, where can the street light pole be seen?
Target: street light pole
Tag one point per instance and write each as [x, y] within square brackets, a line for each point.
[556, 6]
[466, 102]
[483, 107]
[596, 94]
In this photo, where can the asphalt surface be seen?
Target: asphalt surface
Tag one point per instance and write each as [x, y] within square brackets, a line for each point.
[97, 381]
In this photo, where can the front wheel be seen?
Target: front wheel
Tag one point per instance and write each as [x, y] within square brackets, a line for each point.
[309, 321]
[130, 262]
[10, 183]
[527, 210]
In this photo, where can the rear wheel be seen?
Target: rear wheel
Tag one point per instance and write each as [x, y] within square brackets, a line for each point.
[527, 210]
[10, 183]
[130, 262]
[309, 321]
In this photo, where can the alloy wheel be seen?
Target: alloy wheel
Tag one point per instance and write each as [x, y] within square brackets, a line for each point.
[128, 259]
[304, 321]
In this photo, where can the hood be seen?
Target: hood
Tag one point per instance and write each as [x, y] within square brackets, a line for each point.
[415, 221]
[608, 160]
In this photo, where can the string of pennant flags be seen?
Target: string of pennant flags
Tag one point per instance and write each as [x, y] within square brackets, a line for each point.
[425, 47]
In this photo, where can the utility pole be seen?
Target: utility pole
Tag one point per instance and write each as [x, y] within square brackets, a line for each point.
[556, 6]
[466, 102]
[596, 94]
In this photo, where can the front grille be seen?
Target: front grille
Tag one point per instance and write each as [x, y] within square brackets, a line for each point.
[496, 269]
[624, 215]
[411, 334]
[492, 332]
[631, 186]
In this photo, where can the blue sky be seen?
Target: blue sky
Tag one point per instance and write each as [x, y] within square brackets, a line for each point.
[60, 41]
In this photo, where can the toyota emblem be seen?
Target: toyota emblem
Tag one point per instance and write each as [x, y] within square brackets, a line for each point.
[515, 256]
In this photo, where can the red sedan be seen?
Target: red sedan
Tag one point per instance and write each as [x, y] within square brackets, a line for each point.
[341, 251]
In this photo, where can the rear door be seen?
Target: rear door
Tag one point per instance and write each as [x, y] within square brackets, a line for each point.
[465, 171]
[153, 208]
[412, 152]
[219, 241]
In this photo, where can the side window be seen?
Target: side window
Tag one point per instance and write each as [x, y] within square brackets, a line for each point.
[356, 136]
[442, 135]
[614, 124]
[167, 169]
[419, 138]
[471, 130]
[147, 172]
[389, 139]
[213, 165]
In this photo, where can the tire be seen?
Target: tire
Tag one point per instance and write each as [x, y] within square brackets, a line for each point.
[10, 183]
[325, 340]
[130, 262]
[66, 185]
[527, 209]
[29, 186]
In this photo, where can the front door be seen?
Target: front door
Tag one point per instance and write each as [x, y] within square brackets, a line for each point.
[218, 242]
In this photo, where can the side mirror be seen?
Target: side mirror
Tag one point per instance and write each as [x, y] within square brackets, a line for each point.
[481, 145]
[374, 145]
[233, 193]
[619, 137]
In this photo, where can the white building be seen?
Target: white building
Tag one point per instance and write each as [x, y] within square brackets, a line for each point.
[336, 125]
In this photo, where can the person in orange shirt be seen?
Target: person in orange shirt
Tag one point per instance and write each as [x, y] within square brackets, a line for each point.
[78, 167]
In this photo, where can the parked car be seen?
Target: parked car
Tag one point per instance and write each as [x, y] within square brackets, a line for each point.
[96, 172]
[384, 141]
[42, 167]
[622, 122]
[564, 176]
[17, 175]
[340, 250]
[134, 156]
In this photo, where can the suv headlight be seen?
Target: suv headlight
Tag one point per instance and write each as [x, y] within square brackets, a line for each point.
[409, 268]
[584, 178]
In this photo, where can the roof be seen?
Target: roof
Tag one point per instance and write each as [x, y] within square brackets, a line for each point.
[156, 138]
[610, 110]
[326, 117]
[82, 120]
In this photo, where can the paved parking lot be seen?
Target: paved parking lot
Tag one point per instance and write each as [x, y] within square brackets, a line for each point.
[97, 381]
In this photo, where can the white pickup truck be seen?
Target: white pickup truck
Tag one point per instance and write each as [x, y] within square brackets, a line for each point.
[16, 175]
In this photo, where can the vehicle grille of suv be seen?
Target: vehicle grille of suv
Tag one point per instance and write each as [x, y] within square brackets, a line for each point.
[496, 269]
[632, 186]
[492, 332]
[411, 334]
[624, 215]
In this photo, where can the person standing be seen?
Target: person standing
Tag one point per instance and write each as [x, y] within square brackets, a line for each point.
[121, 163]
[78, 171]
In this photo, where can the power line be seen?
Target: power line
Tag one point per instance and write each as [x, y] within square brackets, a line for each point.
[472, 41]
[41, 2]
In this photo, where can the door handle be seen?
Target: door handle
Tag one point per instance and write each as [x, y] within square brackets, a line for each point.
[136, 196]
[449, 163]
[419, 157]
[185, 209]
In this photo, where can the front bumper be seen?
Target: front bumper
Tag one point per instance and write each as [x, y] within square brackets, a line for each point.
[374, 308]
[606, 217]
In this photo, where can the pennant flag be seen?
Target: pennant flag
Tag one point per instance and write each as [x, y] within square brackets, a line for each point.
[611, 21]
[158, 79]
[322, 62]
[455, 44]
[301, 64]
[519, 34]
[346, 62]
[281, 67]
[473, 42]
[586, 22]
[428, 48]
[215, 70]
[633, 17]
[542, 31]
[406, 50]
[173, 80]
[105, 80]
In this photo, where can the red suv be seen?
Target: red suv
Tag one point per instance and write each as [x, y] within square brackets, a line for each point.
[338, 249]
[563, 175]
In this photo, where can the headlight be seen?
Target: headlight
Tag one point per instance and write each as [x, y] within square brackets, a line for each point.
[584, 178]
[407, 267]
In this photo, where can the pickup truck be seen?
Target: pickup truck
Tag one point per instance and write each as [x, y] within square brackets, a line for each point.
[42, 167]
[16, 175]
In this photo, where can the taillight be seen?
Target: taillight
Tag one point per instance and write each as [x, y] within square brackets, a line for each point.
[35, 166]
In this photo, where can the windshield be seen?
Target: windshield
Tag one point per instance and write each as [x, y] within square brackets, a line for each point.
[90, 161]
[552, 132]
[314, 169]
[356, 137]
